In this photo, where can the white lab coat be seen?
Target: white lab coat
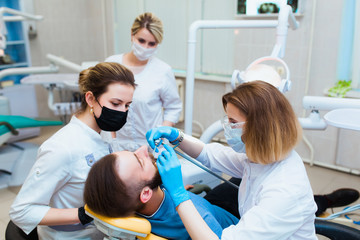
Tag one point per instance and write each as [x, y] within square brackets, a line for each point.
[57, 180]
[155, 99]
[275, 201]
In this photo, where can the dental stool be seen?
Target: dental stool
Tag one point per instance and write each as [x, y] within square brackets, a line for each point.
[13, 232]
[129, 228]
[336, 231]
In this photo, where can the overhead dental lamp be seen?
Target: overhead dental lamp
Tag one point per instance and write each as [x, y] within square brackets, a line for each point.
[270, 73]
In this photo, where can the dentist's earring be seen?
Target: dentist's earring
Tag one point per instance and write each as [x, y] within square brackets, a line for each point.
[91, 110]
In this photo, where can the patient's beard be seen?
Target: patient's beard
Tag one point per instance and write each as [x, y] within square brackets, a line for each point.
[155, 181]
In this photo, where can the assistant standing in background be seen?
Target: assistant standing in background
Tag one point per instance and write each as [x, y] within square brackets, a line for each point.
[156, 100]
[52, 195]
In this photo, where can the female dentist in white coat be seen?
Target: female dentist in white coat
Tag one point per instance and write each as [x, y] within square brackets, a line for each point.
[156, 100]
[52, 195]
[275, 196]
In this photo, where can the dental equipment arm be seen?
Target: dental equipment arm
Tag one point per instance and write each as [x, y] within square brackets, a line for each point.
[278, 51]
[52, 68]
[205, 168]
[63, 62]
[19, 16]
[28, 70]
[282, 30]
[316, 103]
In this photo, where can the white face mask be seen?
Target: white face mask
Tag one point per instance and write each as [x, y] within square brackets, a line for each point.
[233, 133]
[142, 53]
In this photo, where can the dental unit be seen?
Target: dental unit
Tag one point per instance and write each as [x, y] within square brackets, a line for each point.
[17, 158]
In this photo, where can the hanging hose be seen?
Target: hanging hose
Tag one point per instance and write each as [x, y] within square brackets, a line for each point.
[193, 161]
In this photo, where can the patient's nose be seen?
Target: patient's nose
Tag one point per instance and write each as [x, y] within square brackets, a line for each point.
[142, 151]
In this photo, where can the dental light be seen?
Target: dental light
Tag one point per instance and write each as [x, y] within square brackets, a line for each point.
[257, 70]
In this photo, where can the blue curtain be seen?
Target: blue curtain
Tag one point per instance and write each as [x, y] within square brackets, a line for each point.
[344, 65]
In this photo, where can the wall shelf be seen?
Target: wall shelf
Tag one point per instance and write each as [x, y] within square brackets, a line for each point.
[15, 42]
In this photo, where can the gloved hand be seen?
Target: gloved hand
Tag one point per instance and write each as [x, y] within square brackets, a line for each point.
[83, 217]
[161, 132]
[170, 171]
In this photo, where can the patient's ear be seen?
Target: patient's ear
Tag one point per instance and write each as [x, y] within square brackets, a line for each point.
[145, 194]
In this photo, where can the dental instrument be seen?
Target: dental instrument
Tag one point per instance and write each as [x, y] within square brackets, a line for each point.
[191, 175]
[185, 156]
[159, 148]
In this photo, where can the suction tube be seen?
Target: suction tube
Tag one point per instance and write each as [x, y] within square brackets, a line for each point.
[205, 168]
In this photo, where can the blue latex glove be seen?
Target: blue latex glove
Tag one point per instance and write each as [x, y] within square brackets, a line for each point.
[169, 133]
[170, 171]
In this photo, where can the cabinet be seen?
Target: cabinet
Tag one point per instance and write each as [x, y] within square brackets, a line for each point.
[17, 43]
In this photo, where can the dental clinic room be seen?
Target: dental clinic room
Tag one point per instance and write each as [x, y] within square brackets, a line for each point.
[179, 119]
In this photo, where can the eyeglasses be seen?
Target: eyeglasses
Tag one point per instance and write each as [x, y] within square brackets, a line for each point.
[226, 124]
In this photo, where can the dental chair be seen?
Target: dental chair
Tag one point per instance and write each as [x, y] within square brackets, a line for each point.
[336, 231]
[132, 228]
[129, 228]
[16, 159]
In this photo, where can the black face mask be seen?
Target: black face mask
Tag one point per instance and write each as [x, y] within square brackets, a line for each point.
[111, 120]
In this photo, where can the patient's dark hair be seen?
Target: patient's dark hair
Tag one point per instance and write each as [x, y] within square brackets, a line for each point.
[106, 194]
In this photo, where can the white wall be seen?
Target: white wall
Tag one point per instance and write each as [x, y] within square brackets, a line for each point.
[78, 31]
[176, 17]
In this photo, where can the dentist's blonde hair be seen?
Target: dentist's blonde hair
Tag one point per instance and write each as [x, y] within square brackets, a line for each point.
[151, 22]
[271, 129]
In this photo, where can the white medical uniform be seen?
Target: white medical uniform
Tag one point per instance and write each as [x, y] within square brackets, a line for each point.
[275, 200]
[155, 99]
[57, 180]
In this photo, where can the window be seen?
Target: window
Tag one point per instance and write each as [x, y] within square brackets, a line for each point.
[255, 7]
[348, 66]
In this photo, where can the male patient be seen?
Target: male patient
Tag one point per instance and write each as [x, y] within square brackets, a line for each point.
[124, 183]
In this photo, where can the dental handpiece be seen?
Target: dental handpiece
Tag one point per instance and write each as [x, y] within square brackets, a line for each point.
[159, 148]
